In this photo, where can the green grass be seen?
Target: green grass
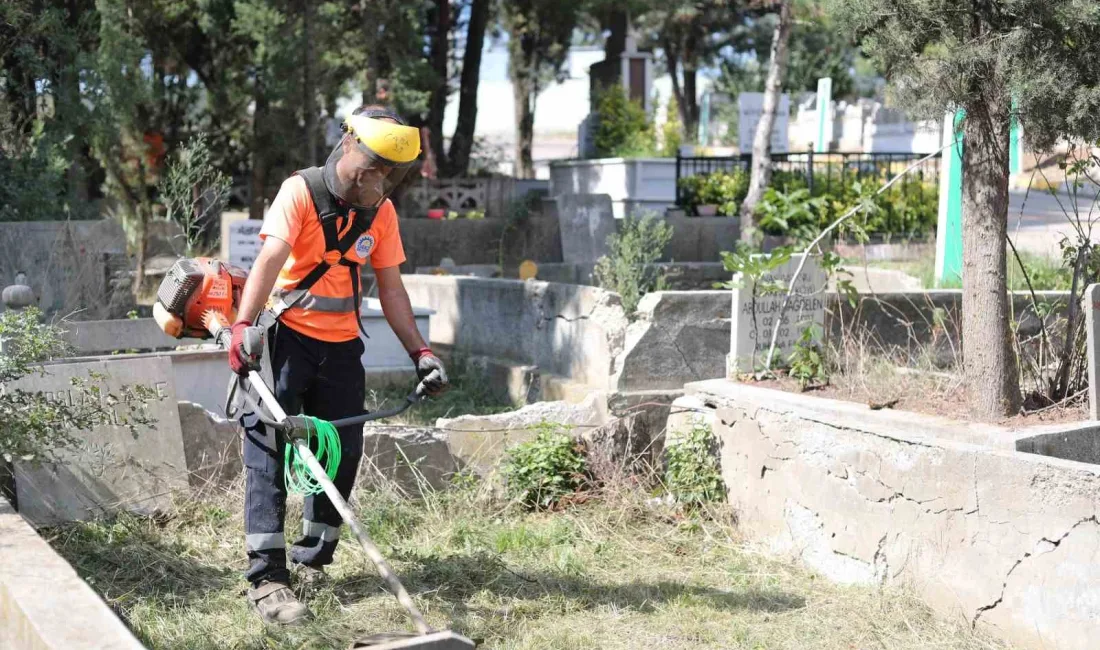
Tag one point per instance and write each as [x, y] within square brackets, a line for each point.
[612, 574]
[470, 394]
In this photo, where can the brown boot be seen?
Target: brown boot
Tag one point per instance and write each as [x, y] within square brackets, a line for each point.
[276, 603]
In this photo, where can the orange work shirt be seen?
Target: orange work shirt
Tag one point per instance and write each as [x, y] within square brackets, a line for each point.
[293, 219]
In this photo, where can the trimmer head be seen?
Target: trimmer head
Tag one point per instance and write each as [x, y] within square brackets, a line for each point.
[446, 640]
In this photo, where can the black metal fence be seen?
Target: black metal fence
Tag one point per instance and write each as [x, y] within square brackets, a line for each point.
[820, 169]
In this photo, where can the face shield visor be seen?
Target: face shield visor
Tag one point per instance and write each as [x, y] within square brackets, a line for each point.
[371, 159]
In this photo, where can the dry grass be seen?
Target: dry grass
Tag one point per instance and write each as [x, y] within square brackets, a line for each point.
[614, 573]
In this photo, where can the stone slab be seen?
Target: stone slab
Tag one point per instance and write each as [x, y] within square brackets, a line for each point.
[479, 441]
[110, 469]
[1091, 308]
[586, 221]
[44, 605]
[677, 337]
[211, 444]
[244, 242]
[414, 459]
[755, 312]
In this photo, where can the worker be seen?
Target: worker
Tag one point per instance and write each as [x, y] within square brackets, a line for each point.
[323, 224]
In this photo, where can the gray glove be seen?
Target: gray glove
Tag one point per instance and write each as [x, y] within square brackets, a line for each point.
[426, 362]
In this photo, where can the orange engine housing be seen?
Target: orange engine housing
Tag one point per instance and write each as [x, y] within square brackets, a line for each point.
[199, 295]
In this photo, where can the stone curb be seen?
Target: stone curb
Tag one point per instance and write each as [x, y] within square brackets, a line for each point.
[44, 605]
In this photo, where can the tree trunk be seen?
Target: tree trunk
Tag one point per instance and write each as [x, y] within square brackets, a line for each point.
[258, 181]
[988, 359]
[458, 163]
[142, 220]
[762, 139]
[309, 92]
[617, 25]
[523, 91]
[437, 105]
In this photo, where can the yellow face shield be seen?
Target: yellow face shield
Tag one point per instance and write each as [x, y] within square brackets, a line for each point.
[371, 159]
[394, 144]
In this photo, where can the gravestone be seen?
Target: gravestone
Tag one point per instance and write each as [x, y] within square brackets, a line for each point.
[244, 242]
[586, 221]
[754, 318]
[1092, 334]
[110, 468]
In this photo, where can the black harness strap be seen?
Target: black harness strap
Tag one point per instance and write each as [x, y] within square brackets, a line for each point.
[329, 212]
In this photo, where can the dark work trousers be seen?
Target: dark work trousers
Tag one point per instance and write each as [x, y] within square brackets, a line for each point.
[315, 378]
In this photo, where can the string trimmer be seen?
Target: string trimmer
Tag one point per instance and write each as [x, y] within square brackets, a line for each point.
[198, 298]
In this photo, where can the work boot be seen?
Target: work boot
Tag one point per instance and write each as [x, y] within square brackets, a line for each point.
[276, 603]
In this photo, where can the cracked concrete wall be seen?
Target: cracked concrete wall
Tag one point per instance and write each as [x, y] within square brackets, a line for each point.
[1009, 540]
[678, 337]
[567, 330]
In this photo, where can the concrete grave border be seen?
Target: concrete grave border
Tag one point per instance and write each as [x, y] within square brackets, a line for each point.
[1008, 540]
[44, 605]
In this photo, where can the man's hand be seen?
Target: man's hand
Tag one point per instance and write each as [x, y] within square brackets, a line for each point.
[239, 362]
[426, 363]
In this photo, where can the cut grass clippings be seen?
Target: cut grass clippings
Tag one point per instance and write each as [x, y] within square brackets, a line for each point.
[615, 573]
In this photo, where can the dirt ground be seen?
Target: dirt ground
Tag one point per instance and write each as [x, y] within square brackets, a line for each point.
[927, 394]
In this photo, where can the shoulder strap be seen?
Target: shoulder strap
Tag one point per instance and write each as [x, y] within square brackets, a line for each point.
[323, 201]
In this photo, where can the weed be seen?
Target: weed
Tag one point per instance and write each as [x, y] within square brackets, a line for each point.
[628, 268]
[692, 475]
[539, 473]
[807, 365]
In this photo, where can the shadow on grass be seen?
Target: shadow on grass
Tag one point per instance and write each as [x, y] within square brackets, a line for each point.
[125, 562]
[456, 578]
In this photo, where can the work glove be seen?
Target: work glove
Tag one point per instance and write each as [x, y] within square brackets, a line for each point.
[426, 362]
[239, 361]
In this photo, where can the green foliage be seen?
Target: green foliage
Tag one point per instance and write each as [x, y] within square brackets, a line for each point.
[807, 366]
[818, 47]
[541, 472]
[628, 268]
[722, 188]
[32, 183]
[623, 129]
[195, 193]
[754, 268]
[789, 207]
[982, 56]
[36, 426]
[692, 474]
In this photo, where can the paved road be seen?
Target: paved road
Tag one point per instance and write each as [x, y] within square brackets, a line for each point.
[1038, 224]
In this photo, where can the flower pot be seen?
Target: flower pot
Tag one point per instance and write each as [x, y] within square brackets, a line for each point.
[436, 213]
[707, 210]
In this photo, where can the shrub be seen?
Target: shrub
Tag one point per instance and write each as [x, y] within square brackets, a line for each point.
[539, 473]
[725, 189]
[790, 207]
[623, 129]
[34, 426]
[692, 475]
[195, 192]
[628, 268]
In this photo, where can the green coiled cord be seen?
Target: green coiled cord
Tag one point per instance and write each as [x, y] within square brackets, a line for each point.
[295, 473]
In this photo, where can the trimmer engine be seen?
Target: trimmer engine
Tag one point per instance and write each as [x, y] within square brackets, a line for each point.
[198, 297]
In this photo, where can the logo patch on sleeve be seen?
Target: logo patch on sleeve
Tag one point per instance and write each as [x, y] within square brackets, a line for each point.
[364, 245]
